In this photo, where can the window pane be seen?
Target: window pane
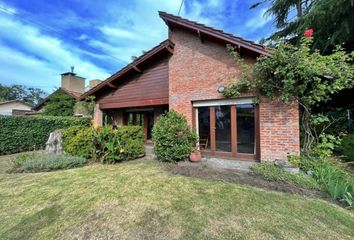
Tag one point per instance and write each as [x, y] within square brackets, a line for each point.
[204, 127]
[223, 128]
[245, 128]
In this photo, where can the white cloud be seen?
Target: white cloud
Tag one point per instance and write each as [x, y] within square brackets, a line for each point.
[258, 21]
[6, 9]
[39, 52]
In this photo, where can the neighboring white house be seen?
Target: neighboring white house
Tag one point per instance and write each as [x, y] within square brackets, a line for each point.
[14, 106]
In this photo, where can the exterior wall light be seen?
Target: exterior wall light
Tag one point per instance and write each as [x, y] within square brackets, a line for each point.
[221, 89]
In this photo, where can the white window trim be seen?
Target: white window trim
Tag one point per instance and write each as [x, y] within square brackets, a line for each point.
[222, 102]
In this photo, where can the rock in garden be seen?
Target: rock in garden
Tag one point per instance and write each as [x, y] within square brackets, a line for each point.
[54, 143]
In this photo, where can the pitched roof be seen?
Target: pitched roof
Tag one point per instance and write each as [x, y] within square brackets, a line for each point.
[165, 45]
[73, 94]
[18, 101]
[201, 29]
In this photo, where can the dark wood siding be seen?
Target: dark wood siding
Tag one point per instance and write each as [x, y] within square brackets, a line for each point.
[140, 89]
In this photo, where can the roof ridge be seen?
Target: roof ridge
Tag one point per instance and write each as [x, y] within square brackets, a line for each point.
[177, 19]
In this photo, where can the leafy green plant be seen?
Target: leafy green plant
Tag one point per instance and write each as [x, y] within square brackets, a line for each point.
[271, 172]
[337, 182]
[26, 133]
[298, 74]
[174, 139]
[294, 160]
[86, 107]
[60, 104]
[31, 162]
[78, 141]
[326, 145]
[113, 146]
[346, 148]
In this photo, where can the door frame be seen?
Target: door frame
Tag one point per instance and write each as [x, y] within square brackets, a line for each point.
[233, 154]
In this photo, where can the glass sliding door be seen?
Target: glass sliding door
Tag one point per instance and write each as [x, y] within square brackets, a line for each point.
[245, 128]
[223, 128]
[204, 127]
[228, 130]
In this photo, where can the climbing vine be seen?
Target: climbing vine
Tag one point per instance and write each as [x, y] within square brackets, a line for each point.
[296, 74]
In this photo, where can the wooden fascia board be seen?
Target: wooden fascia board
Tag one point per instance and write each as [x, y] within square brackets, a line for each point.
[167, 45]
[217, 35]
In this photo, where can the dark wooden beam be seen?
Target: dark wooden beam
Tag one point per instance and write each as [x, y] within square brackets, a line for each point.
[169, 49]
[111, 85]
[200, 36]
[137, 69]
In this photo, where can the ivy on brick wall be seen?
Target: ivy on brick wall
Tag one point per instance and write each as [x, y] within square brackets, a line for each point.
[25, 133]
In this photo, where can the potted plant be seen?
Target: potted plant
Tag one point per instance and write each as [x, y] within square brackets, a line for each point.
[195, 155]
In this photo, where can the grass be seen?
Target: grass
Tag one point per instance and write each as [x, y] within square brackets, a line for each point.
[270, 172]
[140, 200]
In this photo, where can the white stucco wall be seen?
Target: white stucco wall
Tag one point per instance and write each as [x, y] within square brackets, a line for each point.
[6, 108]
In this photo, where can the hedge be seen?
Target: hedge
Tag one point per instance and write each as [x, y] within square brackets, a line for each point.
[24, 133]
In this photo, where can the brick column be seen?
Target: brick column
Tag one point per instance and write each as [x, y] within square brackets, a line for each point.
[279, 130]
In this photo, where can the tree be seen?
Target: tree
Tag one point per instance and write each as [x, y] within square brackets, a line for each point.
[60, 104]
[332, 21]
[299, 74]
[20, 92]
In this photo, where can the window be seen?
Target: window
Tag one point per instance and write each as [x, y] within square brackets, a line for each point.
[204, 127]
[229, 129]
[245, 129]
[223, 128]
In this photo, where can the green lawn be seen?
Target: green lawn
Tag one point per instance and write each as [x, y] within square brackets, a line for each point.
[140, 200]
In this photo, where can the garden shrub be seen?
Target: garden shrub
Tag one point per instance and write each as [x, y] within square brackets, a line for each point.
[112, 146]
[25, 133]
[336, 181]
[132, 140]
[271, 172]
[34, 162]
[346, 148]
[60, 104]
[174, 138]
[78, 141]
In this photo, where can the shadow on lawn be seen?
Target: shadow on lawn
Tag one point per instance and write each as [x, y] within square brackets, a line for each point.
[28, 227]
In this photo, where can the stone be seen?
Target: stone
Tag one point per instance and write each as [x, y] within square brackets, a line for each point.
[286, 166]
[54, 143]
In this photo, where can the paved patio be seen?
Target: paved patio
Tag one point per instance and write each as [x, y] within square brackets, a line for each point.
[209, 161]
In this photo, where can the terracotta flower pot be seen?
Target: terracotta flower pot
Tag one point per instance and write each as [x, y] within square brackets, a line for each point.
[195, 156]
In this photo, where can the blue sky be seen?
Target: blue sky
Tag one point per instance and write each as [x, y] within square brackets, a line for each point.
[40, 39]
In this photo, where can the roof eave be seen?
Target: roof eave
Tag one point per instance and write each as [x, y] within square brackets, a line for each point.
[229, 38]
[167, 44]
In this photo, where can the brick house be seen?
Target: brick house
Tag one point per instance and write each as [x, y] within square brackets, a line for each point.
[186, 73]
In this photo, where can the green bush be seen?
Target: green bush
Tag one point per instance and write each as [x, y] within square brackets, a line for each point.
[132, 140]
[337, 182]
[32, 162]
[78, 141]
[174, 139]
[25, 133]
[112, 146]
[270, 172]
[60, 104]
[346, 148]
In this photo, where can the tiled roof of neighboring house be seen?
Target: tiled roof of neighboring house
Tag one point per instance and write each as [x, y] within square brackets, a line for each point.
[165, 45]
[18, 101]
[202, 29]
[72, 93]
[75, 95]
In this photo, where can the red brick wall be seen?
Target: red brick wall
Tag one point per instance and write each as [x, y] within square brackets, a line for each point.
[197, 69]
[279, 130]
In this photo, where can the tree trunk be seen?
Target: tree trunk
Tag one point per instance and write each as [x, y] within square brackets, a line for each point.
[299, 8]
[308, 136]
